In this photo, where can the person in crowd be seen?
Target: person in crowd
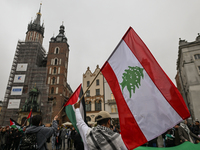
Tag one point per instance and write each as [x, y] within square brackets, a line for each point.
[177, 140]
[63, 134]
[3, 138]
[185, 133]
[69, 144]
[169, 139]
[8, 137]
[42, 132]
[58, 139]
[196, 128]
[17, 137]
[78, 144]
[153, 142]
[93, 138]
[73, 133]
[53, 140]
[118, 129]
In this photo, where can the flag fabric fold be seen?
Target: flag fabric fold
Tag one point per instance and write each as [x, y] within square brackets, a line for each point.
[29, 116]
[147, 100]
[69, 106]
[14, 124]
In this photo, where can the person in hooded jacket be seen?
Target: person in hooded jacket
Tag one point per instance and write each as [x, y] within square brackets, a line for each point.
[42, 132]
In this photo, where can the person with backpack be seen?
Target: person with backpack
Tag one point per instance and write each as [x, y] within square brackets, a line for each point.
[38, 134]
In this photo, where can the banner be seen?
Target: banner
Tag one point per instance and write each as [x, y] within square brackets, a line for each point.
[21, 67]
[13, 104]
[17, 90]
[19, 78]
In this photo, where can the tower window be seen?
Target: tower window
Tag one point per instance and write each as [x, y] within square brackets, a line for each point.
[97, 105]
[97, 92]
[199, 69]
[97, 82]
[54, 70]
[88, 83]
[197, 56]
[88, 93]
[53, 80]
[88, 106]
[56, 50]
[52, 90]
[56, 61]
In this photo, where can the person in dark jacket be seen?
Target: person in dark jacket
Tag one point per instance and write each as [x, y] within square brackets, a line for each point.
[8, 136]
[42, 132]
[78, 142]
[3, 138]
[185, 133]
[196, 128]
[58, 139]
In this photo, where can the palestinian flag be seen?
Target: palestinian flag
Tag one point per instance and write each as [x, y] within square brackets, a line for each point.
[29, 117]
[148, 102]
[14, 124]
[69, 106]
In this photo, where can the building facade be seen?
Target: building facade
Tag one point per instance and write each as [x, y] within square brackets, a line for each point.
[110, 103]
[94, 98]
[33, 77]
[188, 75]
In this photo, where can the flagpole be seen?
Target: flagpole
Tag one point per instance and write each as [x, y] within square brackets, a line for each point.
[89, 86]
[84, 92]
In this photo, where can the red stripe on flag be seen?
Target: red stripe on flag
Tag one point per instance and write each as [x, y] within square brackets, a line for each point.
[130, 130]
[73, 99]
[155, 72]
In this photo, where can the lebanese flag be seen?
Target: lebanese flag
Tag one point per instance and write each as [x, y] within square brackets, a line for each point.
[29, 116]
[69, 106]
[148, 102]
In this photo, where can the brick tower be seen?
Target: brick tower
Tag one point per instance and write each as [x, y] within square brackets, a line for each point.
[57, 65]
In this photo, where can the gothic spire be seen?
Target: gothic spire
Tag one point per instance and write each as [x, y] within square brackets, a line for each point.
[37, 20]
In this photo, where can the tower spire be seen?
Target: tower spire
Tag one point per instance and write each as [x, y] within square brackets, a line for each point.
[37, 20]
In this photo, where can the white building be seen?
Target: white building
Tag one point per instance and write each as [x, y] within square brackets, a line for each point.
[94, 98]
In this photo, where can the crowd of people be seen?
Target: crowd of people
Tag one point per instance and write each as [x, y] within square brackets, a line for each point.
[59, 136]
[180, 133]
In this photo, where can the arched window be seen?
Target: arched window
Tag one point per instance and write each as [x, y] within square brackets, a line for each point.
[52, 90]
[56, 61]
[58, 80]
[197, 56]
[97, 105]
[88, 106]
[54, 70]
[53, 80]
[59, 70]
[56, 50]
[48, 80]
[50, 70]
[56, 90]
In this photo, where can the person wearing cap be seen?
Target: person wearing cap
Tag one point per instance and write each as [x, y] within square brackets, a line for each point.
[100, 137]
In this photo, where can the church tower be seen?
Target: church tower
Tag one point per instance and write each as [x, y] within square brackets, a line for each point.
[57, 66]
[35, 31]
[26, 88]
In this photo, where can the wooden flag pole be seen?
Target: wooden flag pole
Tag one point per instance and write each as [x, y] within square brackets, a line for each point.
[89, 86]
[84, 92]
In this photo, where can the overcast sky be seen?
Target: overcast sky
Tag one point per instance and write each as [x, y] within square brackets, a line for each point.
[94, 28]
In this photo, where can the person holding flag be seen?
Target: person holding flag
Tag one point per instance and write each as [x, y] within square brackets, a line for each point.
[101, 136]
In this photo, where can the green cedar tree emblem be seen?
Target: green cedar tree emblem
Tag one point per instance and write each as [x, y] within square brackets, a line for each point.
[131, 78]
